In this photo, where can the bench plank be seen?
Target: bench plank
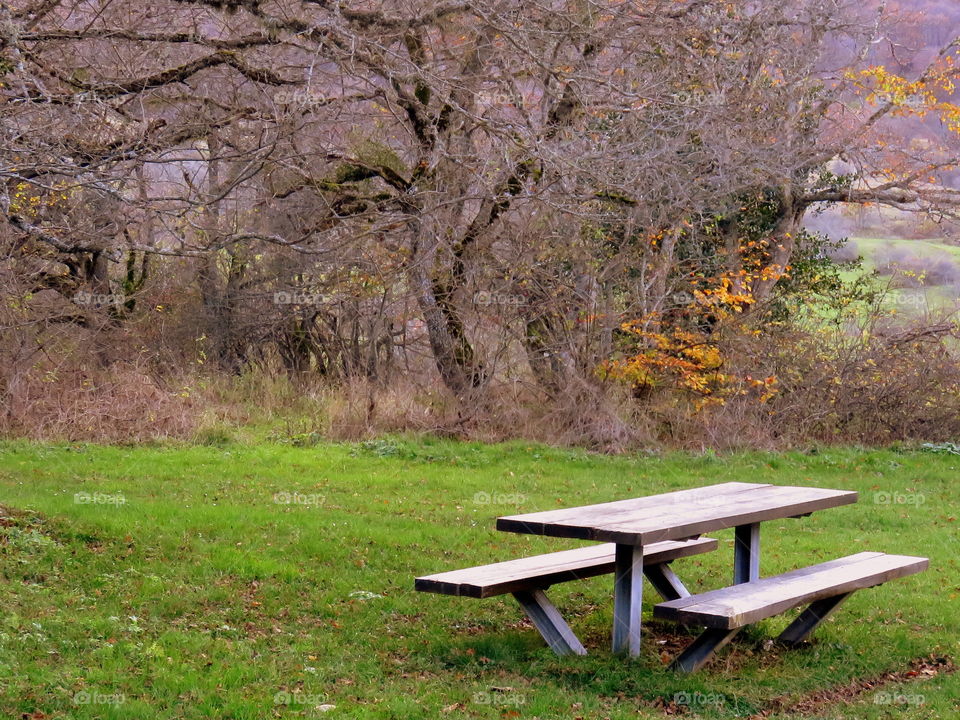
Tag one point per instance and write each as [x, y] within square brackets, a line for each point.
[541, 571]
[740, 605]
[824, 587]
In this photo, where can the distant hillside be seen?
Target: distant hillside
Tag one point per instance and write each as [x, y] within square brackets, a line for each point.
[916, 30]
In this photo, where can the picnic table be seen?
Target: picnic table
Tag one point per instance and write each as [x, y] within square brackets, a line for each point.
[631, 524]
[644, 535]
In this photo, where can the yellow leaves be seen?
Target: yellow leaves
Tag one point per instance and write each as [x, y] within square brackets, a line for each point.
[916, 98]
[731, 294]
[884, 87]
[765, 388]
[29, 200]
[678, 357]
[690, 360]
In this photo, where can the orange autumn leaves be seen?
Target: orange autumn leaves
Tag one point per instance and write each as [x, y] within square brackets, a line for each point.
[689, 359]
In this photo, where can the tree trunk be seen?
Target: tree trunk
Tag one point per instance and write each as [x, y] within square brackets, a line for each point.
[784, 235]
[451, 350]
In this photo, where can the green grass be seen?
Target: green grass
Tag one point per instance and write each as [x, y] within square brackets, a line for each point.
[909, 301]
[920, 247]
[200, 596]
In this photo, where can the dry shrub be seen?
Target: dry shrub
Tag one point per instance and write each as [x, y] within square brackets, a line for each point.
[877, 389]
[360, 408]
[870, 384]
[118, 403]
[738, 424]
[587, 415]
[600, 417]
[874, 388]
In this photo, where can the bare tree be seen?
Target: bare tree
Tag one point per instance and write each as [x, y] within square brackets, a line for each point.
[512, 176]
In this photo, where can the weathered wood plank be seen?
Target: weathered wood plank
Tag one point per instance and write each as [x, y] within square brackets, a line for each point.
[770, 503]
[809, 570]
[674, 515]
[740, 605]
[611, 512]
[550, 569]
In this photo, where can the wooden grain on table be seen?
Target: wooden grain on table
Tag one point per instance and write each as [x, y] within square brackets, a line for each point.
[677, 515]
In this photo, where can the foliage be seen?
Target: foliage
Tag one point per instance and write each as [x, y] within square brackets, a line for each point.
[454, 196]
[817, 284]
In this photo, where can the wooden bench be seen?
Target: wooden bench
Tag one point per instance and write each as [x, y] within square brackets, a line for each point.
[724, 612]
[528, 578]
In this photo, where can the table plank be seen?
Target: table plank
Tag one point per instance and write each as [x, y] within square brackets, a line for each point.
[678, 515]
[649, 506]
[758, 505]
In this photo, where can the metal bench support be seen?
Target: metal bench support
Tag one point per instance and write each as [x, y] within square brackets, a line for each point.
[746, 553]
[810, 619]
[627, 599]
[701, 650]
[547, 619]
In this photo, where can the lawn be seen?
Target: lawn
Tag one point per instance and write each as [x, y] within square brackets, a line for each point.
[870, 246]
[270, 581]
[930, 298]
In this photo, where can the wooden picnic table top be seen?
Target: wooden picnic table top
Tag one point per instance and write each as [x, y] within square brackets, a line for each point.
[678, 515]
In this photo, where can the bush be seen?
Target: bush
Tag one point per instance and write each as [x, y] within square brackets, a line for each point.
[867, 384]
